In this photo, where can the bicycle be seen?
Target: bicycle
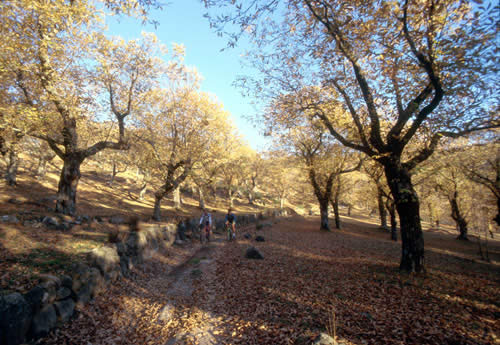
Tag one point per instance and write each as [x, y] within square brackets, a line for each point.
[205, 229]
[230, 234]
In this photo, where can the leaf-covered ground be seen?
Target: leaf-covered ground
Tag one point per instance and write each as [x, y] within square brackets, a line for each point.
[219, 297]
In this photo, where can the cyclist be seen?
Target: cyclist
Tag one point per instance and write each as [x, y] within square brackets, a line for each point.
[206, 223]
[230, 220]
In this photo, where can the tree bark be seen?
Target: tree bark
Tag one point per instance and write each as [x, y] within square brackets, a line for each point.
[282, 202]
[12, 166]
[143, 191]
[392, 214]
[458, 217]
[408, 208]
[68, 183]
[323, 207]
[381, 208]
[177, 198]
[157, 207]
[201, 198]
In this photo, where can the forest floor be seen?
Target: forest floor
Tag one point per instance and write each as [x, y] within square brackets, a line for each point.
[29, 248]
[212, 294]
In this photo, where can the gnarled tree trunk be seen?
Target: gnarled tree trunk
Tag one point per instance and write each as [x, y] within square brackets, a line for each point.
[381, 208]
[408, 207]
[457, 216]
[201, 198]
[68, 183]
[392, 214]
[323, 207]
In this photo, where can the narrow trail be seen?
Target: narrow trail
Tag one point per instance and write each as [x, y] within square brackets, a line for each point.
[212, 294]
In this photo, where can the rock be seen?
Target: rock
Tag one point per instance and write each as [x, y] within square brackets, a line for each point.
[14, 201]
[50, 221]
[83, 296]
[104, 258]
[136, 244]
[324, 339]
[43, 322]
[166, 313]
[96, 284]
[117, 220]
[260, 239]
[253, 253]
[80, 277]
[10, 218]
[64, 226]
[50, 287]
[66, 281]
[179, 242]
[64, 309]
[62, 293]
[247, 236]
[125, 265]
[44, 278]
[15, 317]
[34, 297]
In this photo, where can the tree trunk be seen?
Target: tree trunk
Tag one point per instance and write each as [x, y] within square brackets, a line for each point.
[282, 202]
[381, 208]
[230, 196]
[177, 198]
[157, 207]
[323, 206]
[392, 214]
[457, 217]
[12, 166]
[143, 191]
[408, 208]
[68, 183]
[349, 210]
[114, 172]
[201, 199]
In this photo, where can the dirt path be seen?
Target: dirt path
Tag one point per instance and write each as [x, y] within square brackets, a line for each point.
[216, 296]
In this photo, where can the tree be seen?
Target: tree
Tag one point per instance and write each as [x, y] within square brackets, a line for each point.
[400, 69]
[64, 73]
[177, 124]
[482, 166]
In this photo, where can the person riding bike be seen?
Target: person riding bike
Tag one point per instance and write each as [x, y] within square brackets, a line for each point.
[206, 224]
[230, 222]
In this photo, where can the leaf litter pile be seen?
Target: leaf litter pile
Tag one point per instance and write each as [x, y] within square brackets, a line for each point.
[220, 297]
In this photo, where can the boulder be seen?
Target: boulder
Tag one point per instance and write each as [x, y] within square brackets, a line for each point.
[104, 258]
[82, 296]
[10, 218]
[253, 253]
[117, 220]
[35, 297]
[260, 239]
[43, 322]
[324, 339]
[136, 244]
[97, 282]
[15, 317]
[50, 221]
[66, 281]
[64, 309]
[15, 201]
[247, 236]
[50, 285]
[80, 273]
[62, 293]
[125, 265]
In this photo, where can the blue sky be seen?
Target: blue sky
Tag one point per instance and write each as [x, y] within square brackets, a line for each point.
[183, 22]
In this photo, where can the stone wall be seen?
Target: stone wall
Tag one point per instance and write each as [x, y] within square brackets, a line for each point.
[33, 315]
[53, 301]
